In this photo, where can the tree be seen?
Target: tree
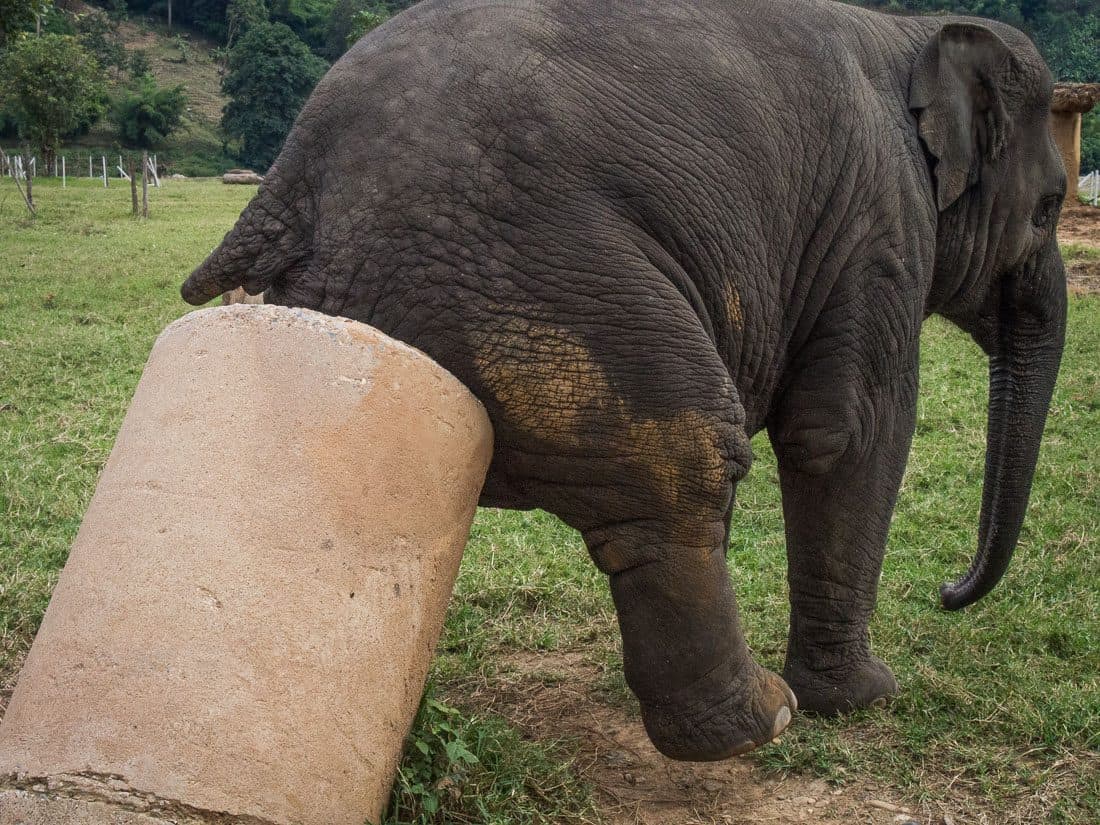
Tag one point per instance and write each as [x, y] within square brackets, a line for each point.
[19, 15]
[271, 73]
[240, 16]
[364, 22]
[348, 21]
[99, 36]
[53, 87]
[146, 114]
[1066, 32]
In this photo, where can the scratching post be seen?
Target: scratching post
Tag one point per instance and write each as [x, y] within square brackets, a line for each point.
[246, 619]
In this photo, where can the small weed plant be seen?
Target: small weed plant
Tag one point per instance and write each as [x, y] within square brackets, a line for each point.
[463, 768]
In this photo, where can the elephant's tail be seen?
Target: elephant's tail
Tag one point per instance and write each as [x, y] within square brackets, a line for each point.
[272, 236]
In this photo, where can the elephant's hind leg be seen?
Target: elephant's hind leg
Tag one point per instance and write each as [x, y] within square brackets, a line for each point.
[634, 436]
[702, 695]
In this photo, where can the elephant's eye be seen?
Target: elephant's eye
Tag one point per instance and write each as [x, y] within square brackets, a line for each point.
[1046, 213]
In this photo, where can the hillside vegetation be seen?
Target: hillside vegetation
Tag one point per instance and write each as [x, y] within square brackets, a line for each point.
[270, 53]
[188, 58]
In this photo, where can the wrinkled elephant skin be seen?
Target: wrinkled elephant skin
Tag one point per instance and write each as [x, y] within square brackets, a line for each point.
[643, 231]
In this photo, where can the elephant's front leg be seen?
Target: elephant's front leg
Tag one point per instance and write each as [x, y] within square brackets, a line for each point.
[842, 452]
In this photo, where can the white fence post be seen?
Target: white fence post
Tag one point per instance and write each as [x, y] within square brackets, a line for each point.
[151, 165]
[62, 171]
[1089, 186]
[103, 162]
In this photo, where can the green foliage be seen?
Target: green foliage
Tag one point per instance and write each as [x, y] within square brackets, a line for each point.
[19, 15]
[1090, 141]
[97, 33]
[146, 114]
[1067, 32]
[57, 20]
[475, 769]
[53, 87]
[306, 18]
[271, 73]
[240, 16]
[437, 758]
[139, 64]
[365, 21]
[183, 47]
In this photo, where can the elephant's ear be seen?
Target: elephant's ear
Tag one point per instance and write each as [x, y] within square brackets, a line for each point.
[957, 90]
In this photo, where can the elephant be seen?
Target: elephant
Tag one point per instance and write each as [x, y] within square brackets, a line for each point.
[642, 231]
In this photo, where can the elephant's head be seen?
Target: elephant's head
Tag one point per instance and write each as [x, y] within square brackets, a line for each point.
[982, 104]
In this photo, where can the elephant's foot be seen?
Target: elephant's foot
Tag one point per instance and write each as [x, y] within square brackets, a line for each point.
[735, 708]
[866, 683]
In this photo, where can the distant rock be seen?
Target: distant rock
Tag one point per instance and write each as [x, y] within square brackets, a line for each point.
[242, 176]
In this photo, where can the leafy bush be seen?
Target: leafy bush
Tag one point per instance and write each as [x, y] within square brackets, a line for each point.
[146, 114]
[270, 74]
[183, 47]
[139, 64]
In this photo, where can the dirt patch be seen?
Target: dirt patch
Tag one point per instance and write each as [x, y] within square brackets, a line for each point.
[1080, 226]
[1083, 276]
[555, 696]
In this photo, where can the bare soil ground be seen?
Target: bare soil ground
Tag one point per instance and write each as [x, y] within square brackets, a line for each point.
[1080, 225]
[553, 696]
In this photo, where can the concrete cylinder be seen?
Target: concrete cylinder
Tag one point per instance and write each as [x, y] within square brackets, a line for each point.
[245, 623]
[1066, 127]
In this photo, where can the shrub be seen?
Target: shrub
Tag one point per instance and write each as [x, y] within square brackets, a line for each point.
[139, 64]
[146, 114]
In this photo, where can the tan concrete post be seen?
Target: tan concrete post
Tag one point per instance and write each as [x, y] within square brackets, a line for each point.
[1068, 103]
[246, 619]
[1066, 127]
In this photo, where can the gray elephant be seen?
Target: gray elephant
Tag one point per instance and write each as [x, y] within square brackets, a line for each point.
[641, 231]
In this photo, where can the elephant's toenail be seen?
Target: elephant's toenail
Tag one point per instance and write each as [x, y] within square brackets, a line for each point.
[880, 702]
[792, 700]
[744, 747]
[782, 719]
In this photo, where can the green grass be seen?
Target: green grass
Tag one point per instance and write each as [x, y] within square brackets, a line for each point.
[1000, 704]
[1080, 252]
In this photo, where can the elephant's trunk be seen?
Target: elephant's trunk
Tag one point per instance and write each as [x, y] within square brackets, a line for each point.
[1022, 372]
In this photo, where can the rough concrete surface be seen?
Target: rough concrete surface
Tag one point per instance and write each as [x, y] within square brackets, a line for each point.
[246, 619]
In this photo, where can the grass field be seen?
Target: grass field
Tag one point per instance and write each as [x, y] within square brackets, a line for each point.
[1000, 705]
